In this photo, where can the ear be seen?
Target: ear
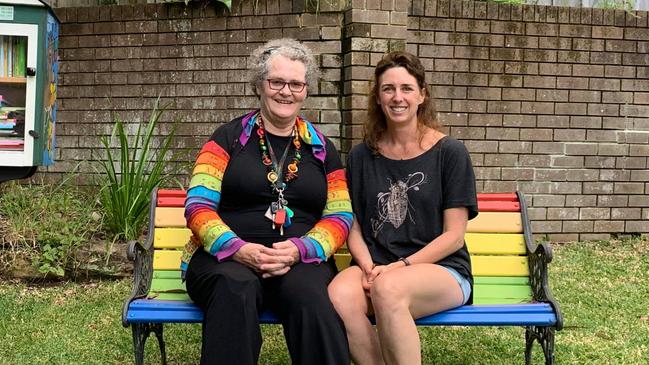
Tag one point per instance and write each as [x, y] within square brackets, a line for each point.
[422, 95]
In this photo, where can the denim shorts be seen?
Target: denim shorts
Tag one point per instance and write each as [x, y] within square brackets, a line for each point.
[462, 281]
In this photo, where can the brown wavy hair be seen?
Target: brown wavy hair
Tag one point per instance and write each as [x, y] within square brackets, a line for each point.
[376, 124]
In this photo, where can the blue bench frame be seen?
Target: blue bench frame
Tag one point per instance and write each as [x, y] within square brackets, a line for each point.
[541, 318]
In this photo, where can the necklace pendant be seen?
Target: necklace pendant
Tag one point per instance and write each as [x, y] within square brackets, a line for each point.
[272, 177]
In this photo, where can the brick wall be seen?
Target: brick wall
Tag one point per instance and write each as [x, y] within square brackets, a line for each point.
[550, 101]
[116, 60]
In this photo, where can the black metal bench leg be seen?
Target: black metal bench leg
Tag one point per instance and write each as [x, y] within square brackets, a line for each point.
[140, 333]
[545, 337]
[157, 328]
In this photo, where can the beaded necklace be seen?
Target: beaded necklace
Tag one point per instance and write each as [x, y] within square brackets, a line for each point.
[279, 212]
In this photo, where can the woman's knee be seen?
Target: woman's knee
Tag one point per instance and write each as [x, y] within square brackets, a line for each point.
[232, 285]
[347, 294]
[388, 294]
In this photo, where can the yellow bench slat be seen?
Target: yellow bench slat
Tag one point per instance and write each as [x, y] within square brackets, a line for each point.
[166, 259]
[499, 265]
[171, 237]
[481, 265]
[170, 217]
[496, 222]
[495, 243]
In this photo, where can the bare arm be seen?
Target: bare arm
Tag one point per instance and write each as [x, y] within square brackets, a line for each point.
[358, 248]
[455, 223]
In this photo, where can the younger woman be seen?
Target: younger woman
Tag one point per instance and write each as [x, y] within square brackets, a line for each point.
[413, 191]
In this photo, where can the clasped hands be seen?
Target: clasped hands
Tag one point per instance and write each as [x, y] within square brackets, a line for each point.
[269, 261]
[372, 271]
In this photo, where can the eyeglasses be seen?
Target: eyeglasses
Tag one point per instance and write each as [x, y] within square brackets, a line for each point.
[294, 86]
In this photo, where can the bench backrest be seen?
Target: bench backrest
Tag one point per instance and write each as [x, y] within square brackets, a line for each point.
[495, 239]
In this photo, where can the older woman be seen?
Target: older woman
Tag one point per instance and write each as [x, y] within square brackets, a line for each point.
[268, 206]
[413, 191]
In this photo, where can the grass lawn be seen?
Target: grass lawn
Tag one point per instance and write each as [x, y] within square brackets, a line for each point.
[602, 287]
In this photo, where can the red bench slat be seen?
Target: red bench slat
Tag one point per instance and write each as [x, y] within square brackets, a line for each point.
[171, 201]
[171, 198]
[508, 197]
[172, 193]
[498, 206]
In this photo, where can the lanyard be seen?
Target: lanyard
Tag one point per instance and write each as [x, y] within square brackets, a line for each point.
[278, 167]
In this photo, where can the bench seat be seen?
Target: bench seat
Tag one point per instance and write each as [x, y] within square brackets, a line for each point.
[509, 270]
[537, 314]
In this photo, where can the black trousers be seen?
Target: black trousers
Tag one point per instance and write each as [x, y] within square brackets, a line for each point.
[232, 296]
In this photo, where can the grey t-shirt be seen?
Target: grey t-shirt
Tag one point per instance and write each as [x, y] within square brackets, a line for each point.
[400, 203]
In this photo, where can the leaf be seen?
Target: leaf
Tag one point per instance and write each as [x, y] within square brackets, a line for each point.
[227, 3]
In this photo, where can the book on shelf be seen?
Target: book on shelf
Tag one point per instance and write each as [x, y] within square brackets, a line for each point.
[11, 144]
[13, 56]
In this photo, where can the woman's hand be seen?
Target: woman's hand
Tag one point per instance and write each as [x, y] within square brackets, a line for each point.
[376, 270]
[288, 252]
[263, 259]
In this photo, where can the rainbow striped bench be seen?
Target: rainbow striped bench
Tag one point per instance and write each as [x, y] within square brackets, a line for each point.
[509, 269]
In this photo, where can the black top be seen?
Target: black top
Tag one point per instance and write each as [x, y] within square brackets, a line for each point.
[246, 193]
[400, 203]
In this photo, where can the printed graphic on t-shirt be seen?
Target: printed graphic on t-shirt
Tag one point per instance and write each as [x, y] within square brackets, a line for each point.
[393, 205]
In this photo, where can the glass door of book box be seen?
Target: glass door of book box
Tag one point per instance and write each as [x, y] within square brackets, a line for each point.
[17, 94]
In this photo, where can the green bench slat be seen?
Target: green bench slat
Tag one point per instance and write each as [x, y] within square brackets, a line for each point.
[502, 291]
[182, 297]
[166, 274]
[166, 284]
[491, 301]
[501, 280]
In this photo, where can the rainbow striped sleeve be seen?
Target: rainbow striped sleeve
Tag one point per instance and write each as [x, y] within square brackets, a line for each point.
[203, 197]
[331, 231]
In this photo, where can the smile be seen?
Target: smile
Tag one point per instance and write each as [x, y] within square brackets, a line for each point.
[398, 109]
[284, 101]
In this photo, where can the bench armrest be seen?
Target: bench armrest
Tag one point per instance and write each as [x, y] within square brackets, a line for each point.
[142, 273]
[539, 255]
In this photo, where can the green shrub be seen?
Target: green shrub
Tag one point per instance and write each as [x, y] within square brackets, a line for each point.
[46, 225]
[131, 171]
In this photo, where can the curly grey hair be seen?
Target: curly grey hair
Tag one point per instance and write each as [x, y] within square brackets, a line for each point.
[289, 48]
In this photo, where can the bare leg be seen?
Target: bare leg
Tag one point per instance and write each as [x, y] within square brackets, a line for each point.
[403, 294]
[353, 306]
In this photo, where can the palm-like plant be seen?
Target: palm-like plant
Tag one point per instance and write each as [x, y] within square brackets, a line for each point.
[131, 172]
